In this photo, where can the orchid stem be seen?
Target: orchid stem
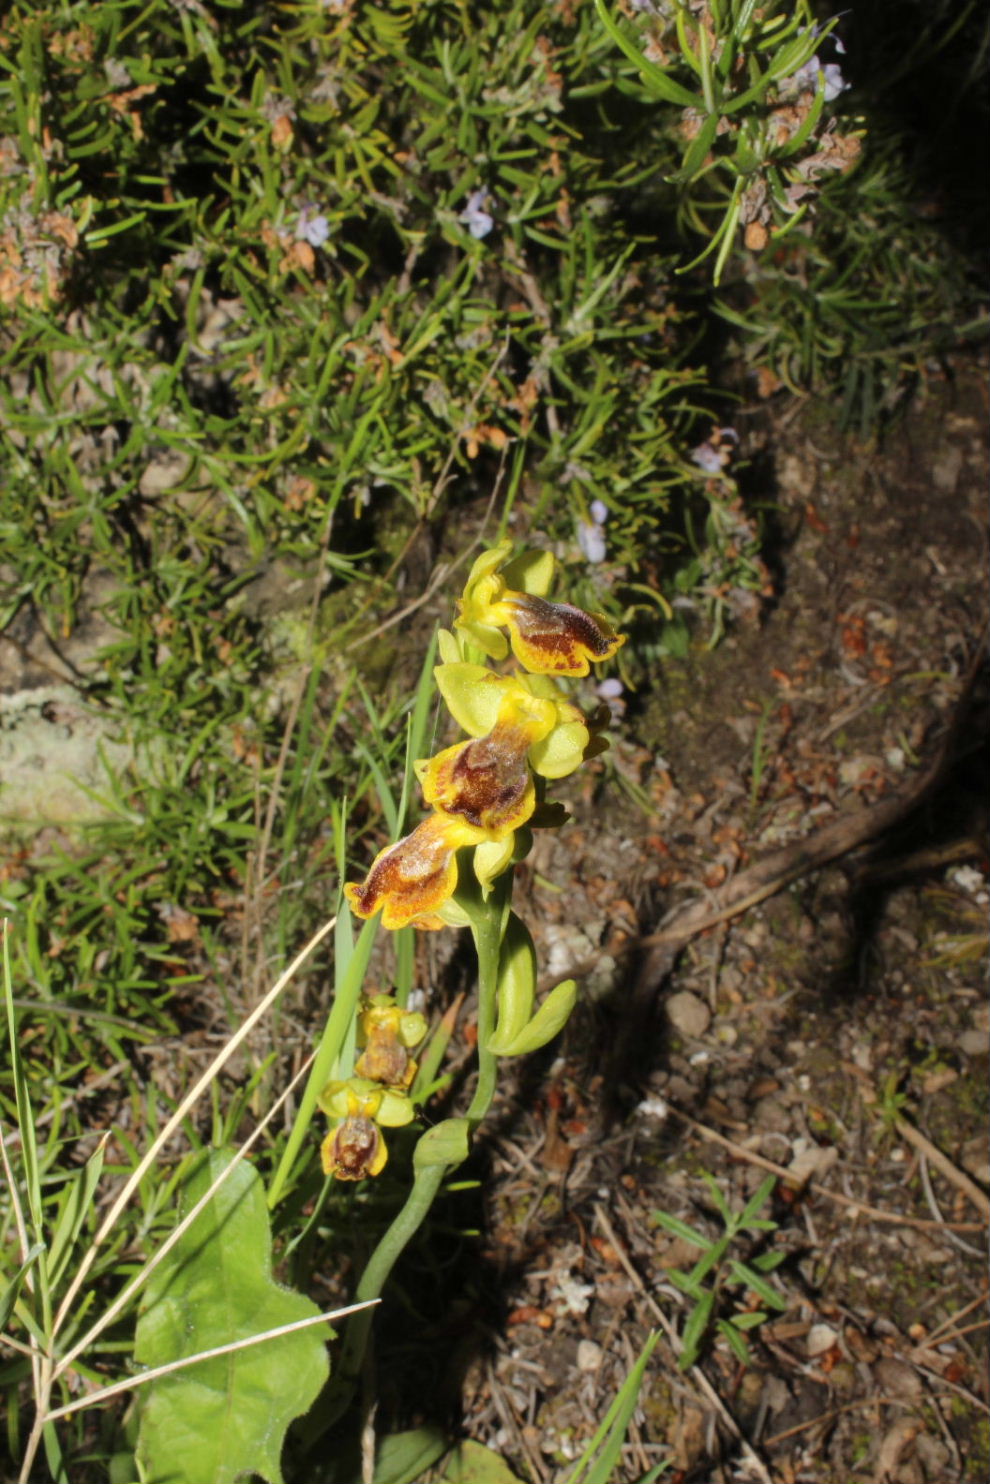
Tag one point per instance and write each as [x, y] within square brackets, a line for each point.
[487, 930]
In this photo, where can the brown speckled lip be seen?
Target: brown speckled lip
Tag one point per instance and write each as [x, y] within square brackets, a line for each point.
[385, 1060]
[488, 780]
[565, 635]
[410, 880]
[353, 1148]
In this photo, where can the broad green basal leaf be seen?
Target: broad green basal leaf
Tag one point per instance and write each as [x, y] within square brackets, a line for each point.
[218, 1419]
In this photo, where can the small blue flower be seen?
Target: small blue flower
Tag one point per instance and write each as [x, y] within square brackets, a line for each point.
[835, 83]
[612, 692]
[805, 79]
[591, 539]
[707, 458]
[599, 512]
[313, 228]
[475, 217]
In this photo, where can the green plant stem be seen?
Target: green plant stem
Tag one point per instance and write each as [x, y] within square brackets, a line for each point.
[487, 928]
[424, 1191]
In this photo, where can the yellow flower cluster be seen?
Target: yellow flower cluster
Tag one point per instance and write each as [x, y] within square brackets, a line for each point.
[482, 790]
[377, 1096]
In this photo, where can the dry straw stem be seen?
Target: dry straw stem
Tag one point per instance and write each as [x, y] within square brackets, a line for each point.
[180, 1113]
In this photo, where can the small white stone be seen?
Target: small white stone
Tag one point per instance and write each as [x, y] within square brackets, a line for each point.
[687, 1014]
[589, 1355]
[974, 1043]
[821, 1337]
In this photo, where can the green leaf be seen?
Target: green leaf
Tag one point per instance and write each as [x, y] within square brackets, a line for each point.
[516, 986]
[611, 1432]
[721, 1203]
[9, 1296]
[472, 1463]
[735, 1341]
[548, 1022]
[694, 1330]
[219, 1418]
[654, 76]
[751, 1279]
[686, 1282]
[678, 1228]
[697, 151]
[75, 1203]
[757, 1200]
[447, 1143]
[405, 1456]
[749, 1320]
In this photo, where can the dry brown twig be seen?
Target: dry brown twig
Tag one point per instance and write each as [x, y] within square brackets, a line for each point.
[944, 1165]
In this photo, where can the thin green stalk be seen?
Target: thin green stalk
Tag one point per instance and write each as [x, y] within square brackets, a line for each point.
[406, 1224]
[487, 931]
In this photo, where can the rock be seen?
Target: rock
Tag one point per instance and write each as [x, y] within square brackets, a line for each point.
[687, 1014]
[821, 1338]
[589, 1355]
[54, 757]
[974, 1043]
[898, 1379]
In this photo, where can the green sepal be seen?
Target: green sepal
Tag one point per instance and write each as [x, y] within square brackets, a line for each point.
[530, 572]
[548, 1022]
[516, 986]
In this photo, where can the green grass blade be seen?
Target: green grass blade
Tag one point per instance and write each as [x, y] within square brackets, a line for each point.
[612, 1432]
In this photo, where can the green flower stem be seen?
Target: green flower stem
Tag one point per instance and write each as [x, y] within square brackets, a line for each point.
[405, 1226]
[487, 927]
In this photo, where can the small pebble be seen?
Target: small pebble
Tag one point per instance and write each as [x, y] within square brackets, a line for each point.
[687, 1014]
[821, 1338]
[898, 1379]
[974, 1043]
[589, 1355]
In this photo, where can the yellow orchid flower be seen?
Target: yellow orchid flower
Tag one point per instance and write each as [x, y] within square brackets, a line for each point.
[546, 638]
[487, 781]
[410, 882]
[355, 1148]
[479, 700]
[388, 1033]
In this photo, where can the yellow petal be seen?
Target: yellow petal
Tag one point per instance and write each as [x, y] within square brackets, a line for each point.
[563, 751]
